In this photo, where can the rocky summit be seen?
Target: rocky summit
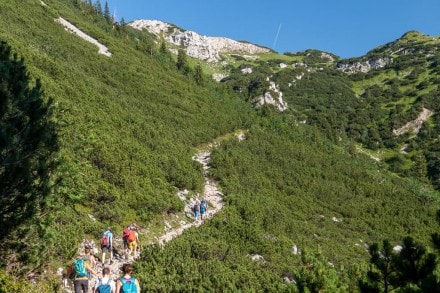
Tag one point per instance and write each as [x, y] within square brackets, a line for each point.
[197, 46]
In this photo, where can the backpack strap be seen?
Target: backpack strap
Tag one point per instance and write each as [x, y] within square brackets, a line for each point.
[125, 281]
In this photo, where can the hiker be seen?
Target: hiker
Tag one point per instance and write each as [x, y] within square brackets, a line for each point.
[107, 245]
[125, 235]
[133, 242]
[89, 257]
[79, 272]
[196, 210]
[127, 283]
[105, 284]
[203, 208]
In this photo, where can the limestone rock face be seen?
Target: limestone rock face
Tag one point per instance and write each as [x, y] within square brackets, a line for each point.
[272, 97]
[364, 66]
[197, 46]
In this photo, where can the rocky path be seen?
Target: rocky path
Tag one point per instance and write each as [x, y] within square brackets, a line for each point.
[210, 193]
[215, 202]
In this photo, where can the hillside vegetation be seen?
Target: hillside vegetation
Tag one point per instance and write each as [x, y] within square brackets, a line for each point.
[302, 204]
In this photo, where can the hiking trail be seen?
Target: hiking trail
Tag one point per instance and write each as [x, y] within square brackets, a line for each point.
[215, 203]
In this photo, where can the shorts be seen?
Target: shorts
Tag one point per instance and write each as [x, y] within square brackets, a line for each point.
[106, 249]
[125, 243]
[202, 212]
[132, 245]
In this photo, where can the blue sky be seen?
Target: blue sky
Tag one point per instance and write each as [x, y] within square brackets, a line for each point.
[347, 28]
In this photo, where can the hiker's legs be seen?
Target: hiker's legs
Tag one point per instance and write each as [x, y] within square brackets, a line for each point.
[125, 245]
[111, 254]
[130, 248]
[81, 286]
[135, 249]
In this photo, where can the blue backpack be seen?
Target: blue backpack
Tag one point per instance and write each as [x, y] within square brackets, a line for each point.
[128, 285]
[79, 269]
[104, 288]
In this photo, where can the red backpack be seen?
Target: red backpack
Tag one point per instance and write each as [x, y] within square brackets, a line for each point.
[126, 233]
[104, 239]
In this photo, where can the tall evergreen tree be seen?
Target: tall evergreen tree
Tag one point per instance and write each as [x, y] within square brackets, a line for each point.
[409, 270]
[163, 47]
[107, 15]
[181, 57]
[198, 74]
[98, 7]
[28, 142]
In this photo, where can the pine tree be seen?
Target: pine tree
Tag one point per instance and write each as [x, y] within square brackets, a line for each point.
[28, 142]
[410, 269]
[163, 47]
[382, 272]
[107, 14]
[181, 57]
[98, 7]
[198, 74]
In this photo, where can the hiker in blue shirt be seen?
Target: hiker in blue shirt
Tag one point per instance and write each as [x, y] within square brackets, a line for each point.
[107, 245]
[127, 283]
[203, 208]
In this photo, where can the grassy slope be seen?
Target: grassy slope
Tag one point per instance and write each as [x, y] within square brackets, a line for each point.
[129, 126]
[128, 123]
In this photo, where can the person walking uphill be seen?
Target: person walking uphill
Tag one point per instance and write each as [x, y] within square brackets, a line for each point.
[133, 242]
[125, 234]
[196, 210]
[203, 208]
[79, 272]
[107, 245]
[127, 284]
[105, 284]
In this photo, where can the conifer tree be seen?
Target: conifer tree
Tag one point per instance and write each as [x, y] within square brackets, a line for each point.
[98, 7]
[411, 268]
[198, 74]
[107, 14]
[181, 57]
[27, 144]
[163, 47]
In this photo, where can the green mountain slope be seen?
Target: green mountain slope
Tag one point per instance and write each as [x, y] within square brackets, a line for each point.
[129, 124]
[374, 99]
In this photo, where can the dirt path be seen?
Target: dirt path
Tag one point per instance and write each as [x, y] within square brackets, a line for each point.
[414, 125]
[210, 192]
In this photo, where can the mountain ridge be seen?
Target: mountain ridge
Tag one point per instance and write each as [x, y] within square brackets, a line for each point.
[197, 46]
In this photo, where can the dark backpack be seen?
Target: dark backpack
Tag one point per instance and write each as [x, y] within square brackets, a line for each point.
[128, 285]
[104, 239]
[104, 288]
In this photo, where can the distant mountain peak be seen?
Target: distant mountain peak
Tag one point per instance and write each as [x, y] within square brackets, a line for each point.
[197, 46]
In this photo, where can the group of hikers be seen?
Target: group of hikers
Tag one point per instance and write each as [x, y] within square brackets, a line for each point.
[200, 209]
[81, 270]
[83, 267]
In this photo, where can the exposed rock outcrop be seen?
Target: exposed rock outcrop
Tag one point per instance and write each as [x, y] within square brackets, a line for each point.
[73, 29]
[197, 46]
[414, 125]
[272, 97]
[363, 66]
